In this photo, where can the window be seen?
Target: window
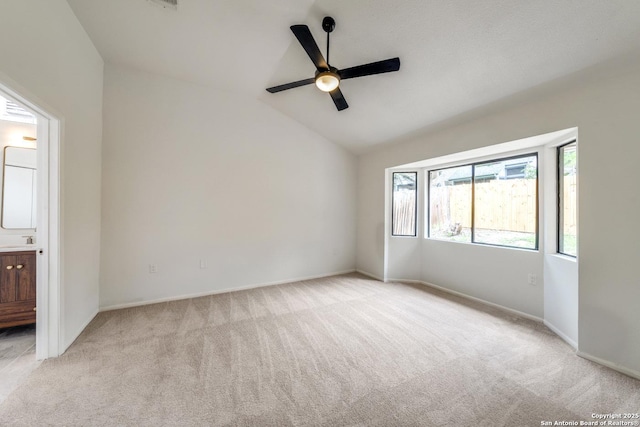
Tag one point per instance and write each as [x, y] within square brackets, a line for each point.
[567, 199]
[404, 203]
[11, 111]
[494, 202]
[450, 204]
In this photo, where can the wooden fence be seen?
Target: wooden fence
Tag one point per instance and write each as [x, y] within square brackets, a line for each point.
[570, 213]
[499, 205]
[404, 213]
[508, 205]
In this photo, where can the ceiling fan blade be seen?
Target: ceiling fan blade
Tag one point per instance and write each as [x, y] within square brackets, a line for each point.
[338, 99]
[386, 66]
[290, 85]
[305, 38]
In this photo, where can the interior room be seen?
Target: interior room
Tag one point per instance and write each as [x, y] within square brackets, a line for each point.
[17, 244]
[445, 237]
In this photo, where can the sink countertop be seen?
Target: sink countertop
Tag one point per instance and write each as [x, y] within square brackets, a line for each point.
[17, 248]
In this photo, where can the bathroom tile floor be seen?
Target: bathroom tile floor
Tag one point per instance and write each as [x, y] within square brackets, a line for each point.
[17, 357]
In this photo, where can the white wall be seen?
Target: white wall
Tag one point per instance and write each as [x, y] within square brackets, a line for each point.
[561, 296]
[494, 274]
[46, 56]
[561, 281]
[192, 173]
[603, 103]
[404, 258]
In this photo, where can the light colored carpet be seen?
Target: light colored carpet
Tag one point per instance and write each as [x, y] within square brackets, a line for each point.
[344, 350]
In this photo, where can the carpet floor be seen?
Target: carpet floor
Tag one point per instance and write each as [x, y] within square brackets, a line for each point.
[343, 350]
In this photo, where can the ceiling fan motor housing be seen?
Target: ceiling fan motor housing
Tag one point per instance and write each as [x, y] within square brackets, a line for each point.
[328, 24]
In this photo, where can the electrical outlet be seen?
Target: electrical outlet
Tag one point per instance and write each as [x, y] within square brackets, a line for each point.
[532, 279]
[203, 265]
[153, 268]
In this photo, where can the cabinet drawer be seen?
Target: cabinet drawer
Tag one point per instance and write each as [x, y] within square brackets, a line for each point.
[17, 313]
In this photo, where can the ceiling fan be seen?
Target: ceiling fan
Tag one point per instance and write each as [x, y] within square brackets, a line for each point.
[327, 78]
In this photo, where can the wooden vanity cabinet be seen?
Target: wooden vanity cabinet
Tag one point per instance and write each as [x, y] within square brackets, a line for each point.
[17, 288]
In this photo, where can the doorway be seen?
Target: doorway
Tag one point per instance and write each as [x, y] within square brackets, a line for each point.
[45, 228]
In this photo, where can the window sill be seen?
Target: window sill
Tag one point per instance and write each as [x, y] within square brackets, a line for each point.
[564, 257]
[485, 245]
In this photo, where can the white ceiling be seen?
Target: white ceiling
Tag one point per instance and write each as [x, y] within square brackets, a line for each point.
[455, 55]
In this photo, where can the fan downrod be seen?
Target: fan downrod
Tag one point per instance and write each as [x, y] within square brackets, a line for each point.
[328, 24]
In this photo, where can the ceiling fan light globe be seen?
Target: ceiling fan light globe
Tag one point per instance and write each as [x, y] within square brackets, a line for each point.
[327, 81]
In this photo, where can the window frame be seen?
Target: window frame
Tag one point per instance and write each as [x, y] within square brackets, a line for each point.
[560, 193]
[415, 207]
[473, 203]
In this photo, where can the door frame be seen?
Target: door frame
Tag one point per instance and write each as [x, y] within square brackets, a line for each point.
[48, 271]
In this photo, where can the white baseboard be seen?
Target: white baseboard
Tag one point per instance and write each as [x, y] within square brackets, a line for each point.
[366, 273]
[419, 282]
[469, 297]
[630, 372]
[65, 345]
[562, 335]
[218, 291]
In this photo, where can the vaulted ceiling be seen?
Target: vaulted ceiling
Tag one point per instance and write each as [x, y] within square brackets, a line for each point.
[455, 55]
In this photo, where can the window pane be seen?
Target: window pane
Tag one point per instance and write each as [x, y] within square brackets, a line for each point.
[567, 211]
[450, 204]
[505, 202]
[404, 203]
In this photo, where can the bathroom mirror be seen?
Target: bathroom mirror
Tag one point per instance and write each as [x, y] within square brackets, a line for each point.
[19, 188]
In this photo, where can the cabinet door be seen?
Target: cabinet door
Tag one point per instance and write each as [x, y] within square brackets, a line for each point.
[26, 277]
[7, 278]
